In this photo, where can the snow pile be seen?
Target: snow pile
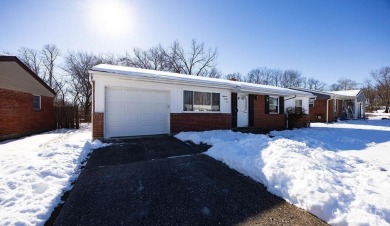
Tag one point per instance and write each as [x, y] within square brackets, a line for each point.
[36, 170]
[318, 169]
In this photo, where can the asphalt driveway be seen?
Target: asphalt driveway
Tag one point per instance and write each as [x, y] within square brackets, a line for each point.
[163, 181]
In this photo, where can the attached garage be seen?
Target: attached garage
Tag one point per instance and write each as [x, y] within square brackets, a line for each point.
[132, 112]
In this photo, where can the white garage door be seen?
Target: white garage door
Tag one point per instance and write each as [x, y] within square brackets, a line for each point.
[132, 112]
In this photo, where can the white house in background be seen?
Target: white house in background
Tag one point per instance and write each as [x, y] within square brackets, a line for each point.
[354, 103]
[131, 101]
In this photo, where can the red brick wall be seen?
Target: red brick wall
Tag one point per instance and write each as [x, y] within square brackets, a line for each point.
[97, 119]
[267, 121]
[97, 125]
[17, 117]
[320, 108]
[199, 121]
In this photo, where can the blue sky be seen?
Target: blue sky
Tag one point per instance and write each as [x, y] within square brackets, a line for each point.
[324, 39]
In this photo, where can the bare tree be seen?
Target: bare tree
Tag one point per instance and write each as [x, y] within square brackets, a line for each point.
[31, 58]
[382, 79]
[371, 94]
[235, 77]
[315, 84]
[344, 84]
[214, 73]
[49, 55]
[148, 59]
[111, 58]
[262, 75]
[77, 65]
[196, 61]
[292, 78]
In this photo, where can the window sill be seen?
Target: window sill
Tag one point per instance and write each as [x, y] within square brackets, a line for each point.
[201, 112]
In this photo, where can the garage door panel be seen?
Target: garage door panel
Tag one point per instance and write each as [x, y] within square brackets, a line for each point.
[114, 120]
[152, 96]
[136, 112]
[129, 130]
[145, 130]
[114, 93]
[153, 117]
[130, 106]
[113, 106]
[155, 107]
[130, 117]
[130, 95]
[113, 129]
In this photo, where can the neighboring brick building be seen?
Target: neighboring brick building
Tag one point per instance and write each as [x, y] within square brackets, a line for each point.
[132, 102]
[26, 102]
[329, 106]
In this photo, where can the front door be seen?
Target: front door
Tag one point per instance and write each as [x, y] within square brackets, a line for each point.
[242, 110]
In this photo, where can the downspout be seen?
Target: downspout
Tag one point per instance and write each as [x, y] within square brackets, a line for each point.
[327, 110]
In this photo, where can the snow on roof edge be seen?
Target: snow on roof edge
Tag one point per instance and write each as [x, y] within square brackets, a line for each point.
[352, 92]
[169, 76]
[343, 93]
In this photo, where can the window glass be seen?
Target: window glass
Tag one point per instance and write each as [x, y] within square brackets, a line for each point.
[273, 105]
[201, 101]
[311, 102]
[298, 103]
[216, 100]
[188, 101]
[298, 106]
[36, 102]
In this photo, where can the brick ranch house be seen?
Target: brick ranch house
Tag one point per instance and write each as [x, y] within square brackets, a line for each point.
[26, 102]
[131, 101]
[328, 106]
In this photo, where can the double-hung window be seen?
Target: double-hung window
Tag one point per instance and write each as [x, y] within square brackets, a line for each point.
[311, 102]
[298, 106]
[273, 102]
[200, 101]
[36, 102]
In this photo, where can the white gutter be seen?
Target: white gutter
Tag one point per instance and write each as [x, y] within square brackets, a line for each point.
[327, 110]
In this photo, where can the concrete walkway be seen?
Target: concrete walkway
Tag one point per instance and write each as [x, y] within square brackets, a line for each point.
[163, 181]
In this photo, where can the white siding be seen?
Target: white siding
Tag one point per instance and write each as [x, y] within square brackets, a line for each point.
[290, 102]
[175, 92]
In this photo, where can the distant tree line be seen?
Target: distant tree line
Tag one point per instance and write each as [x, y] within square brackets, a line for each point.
[277, 77]
[70, 77]
[377, 89]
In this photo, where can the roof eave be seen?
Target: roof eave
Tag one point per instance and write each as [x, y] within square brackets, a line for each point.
[213, 84]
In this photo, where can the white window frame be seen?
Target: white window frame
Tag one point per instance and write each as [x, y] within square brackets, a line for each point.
[211, 102]
[313, 100]
[335, 105]
[40, 102]
[300, 101]
[277, 105]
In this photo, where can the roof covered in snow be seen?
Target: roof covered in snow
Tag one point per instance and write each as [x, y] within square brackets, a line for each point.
[351, 93]
[345, 94]
[175, 78]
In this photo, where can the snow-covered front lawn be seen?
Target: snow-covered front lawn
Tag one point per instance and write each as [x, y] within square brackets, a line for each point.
[339, 172]
[36, 170]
